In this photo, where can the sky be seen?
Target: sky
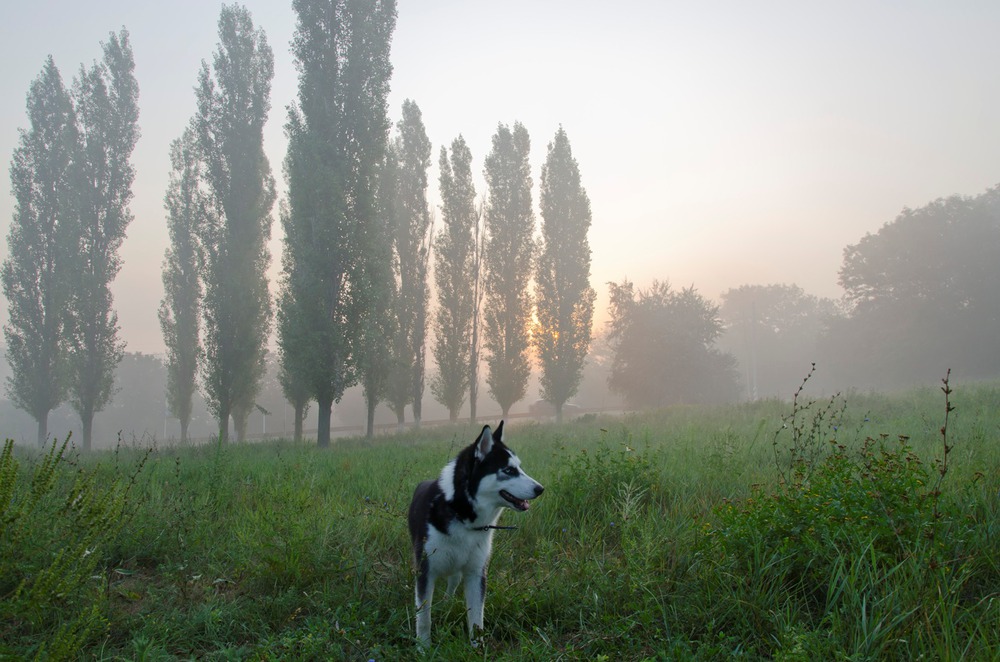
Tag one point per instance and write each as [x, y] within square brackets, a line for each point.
[721, 143]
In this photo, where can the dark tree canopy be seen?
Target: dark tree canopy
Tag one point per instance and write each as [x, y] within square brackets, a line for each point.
[922, 296]
[663, 343]
[337, 135]
[564, 299]
[233, 104]
[455, 277]
[508, 260]
[42, 244]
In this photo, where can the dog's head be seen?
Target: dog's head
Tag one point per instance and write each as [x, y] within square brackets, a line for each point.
[499, 474]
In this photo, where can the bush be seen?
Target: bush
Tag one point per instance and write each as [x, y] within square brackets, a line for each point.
[855, 551]
[875, 502]
[54, 521]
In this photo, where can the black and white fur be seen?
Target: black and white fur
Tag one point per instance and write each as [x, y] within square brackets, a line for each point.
[452, 519]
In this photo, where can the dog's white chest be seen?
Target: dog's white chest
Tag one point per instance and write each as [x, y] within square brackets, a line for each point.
[461, 549]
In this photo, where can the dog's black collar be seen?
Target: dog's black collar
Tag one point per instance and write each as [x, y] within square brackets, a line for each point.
[494, 526]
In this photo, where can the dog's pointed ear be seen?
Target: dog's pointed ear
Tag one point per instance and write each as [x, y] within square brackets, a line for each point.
[484, 444]
[498, 434]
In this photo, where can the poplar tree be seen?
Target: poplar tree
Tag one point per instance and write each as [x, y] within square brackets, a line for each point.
[233, 103]
[508, 260]
[107, 105]
[412, 239]
[397, 391]
[564, 299]
[455, 278]
[41, 242]
[477, 310]
[186, 206]
[376, 323]
[293, 352]
[337, 135]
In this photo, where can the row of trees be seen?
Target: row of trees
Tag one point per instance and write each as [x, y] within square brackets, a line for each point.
[353, 305]
[919, 299]
[216, 311]
[71, 177]
[353, 301]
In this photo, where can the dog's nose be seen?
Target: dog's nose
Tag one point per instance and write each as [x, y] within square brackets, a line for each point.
[538, 490]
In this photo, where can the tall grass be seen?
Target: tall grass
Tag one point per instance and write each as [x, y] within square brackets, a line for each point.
[685, 533]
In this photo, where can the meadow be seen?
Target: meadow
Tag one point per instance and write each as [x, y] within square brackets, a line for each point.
[862, 527]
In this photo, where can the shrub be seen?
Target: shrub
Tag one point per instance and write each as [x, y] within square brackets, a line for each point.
[854, 549]
[54, 520]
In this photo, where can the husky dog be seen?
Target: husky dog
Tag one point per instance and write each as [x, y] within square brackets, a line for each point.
[452, 521]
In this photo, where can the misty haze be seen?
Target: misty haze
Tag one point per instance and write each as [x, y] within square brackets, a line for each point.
[726, 267]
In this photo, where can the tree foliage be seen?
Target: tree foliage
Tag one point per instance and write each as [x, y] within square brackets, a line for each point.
[42, 244]
[233, 104]
[663, 344]
[411, 153]
[508, 260]
[922, 297]
[107, 103]
[773, 331]
[454, 274]
[186, 205]
[337, 134]
[377, 323]
[564, 299]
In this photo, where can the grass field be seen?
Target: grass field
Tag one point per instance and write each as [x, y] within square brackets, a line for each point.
[764, 531]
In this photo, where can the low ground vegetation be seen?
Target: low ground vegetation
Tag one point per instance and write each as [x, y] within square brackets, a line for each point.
[831, 529]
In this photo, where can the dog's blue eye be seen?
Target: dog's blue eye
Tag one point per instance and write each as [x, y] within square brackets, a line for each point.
[510, 471]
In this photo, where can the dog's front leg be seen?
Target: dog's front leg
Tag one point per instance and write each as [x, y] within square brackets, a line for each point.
[475, 601]
[424, 597]
[453, 583]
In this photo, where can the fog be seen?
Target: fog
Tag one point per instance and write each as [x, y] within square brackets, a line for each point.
[721, 144]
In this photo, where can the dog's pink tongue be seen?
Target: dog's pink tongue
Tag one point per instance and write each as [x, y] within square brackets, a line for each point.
[525, 504]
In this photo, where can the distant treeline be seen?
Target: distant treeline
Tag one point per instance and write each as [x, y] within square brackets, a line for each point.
[512, 300]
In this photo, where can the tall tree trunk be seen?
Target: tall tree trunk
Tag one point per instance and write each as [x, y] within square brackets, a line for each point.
[559, 406]
[323, 425]
[43, 429]
[184, 430]
[224, 425]
[240, 424]
[370, 404]
[453, 415]
[300, 414]
[87, 422]
[418, 384]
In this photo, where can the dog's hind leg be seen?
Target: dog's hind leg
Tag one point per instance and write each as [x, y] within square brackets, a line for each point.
[424, 594]
[475, 601]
